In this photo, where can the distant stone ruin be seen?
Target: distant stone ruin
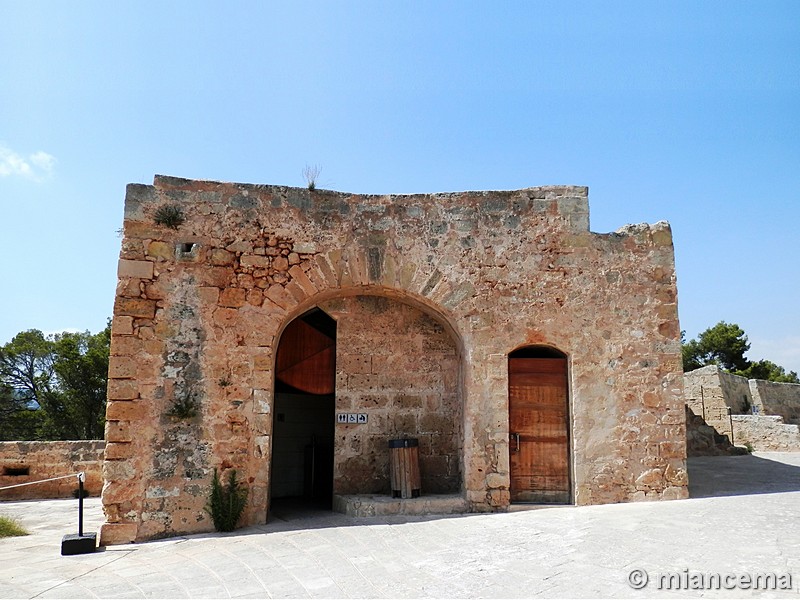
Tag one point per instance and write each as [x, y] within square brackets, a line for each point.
[291, 333]
[764, 415]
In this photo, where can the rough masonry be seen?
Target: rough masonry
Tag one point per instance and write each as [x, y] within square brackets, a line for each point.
[27, 462]
[430, 294]
[762, 414]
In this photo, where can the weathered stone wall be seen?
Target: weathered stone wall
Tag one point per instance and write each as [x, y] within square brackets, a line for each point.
[766, 433]
[23, 462]
[710, 392]
[200, 308]
[777, 406]
[702, 439]
[773, 398]
[402, 372]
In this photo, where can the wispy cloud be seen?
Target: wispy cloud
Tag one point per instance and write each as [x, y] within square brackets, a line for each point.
[37, 166]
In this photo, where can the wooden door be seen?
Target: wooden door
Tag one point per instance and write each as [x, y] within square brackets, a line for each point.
[538, 428]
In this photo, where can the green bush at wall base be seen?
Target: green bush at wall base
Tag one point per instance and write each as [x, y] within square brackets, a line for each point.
[227, 502]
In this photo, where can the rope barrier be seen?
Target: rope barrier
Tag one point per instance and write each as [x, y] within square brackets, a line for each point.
[81, 477]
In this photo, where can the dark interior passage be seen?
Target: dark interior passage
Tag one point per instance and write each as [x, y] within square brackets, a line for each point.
[304, 411]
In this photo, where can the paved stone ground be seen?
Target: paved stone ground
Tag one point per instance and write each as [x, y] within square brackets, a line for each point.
[742, 519]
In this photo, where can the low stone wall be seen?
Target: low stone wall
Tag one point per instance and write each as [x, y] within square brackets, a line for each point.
[765, 433]
[710, 392]
[22, 462]
[772, 398]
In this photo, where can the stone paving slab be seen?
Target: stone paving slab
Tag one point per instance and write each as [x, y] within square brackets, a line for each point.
[743, 519]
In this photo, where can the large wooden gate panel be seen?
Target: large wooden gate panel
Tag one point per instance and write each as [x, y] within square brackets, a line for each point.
[539, 431]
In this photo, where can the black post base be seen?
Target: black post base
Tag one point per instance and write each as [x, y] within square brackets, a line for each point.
[78, 544]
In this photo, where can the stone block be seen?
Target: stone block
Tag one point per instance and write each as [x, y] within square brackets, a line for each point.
[233, 297]
[261, 446]
[226, 318]
[262, 424]
[672, 449]
[356, 363]
[298, 275]
[118, 450]
[121, 326]
[305, 247]
[117, 533]
[327, 270]
[499, 498]
[208, 295]
[262, 379]
[126, 410]
[253, 261]
[497, 480]
[121, 367]
[255, 297]
[122, 389]
[675, 493]
[262, 361]
[160, 250]
[219, 277]
[258, 337]
[129, 288]
[278, 295]
[118, 470]
[118, 431]
[652, 478]
[140, 269]
[220, 257]
[262, 401]
[134, 307]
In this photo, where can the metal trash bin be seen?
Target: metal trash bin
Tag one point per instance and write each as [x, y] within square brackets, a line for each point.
[404, 468]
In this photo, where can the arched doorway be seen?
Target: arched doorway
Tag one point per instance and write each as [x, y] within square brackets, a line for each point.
[398, 369]
[538, 418]
[303, 416]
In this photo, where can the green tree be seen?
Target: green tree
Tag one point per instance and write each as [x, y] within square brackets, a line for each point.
[768, 370]
[54, 387]
[26, 384]
[81, 367]
[26, 367]
[724, 344]
[18, 420]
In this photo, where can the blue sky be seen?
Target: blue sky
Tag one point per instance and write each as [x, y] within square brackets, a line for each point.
[684, 111]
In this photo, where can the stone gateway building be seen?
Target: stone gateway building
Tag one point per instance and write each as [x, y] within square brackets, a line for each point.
[290, 334]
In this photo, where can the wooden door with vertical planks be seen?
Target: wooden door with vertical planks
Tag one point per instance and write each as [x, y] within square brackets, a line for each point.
[539, 430]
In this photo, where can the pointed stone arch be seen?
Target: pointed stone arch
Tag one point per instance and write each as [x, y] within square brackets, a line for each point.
[422, 397]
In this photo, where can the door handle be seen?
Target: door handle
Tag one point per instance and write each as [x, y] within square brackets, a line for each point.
[515, 437]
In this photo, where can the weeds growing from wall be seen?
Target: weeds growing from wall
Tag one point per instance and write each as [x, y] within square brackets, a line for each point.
[311, 174]
[183, 408]
[169, 215]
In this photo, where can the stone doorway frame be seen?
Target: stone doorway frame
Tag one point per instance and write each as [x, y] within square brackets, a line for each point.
[555, 352]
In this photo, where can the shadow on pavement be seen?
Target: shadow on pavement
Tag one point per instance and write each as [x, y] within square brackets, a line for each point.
[711, 476]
